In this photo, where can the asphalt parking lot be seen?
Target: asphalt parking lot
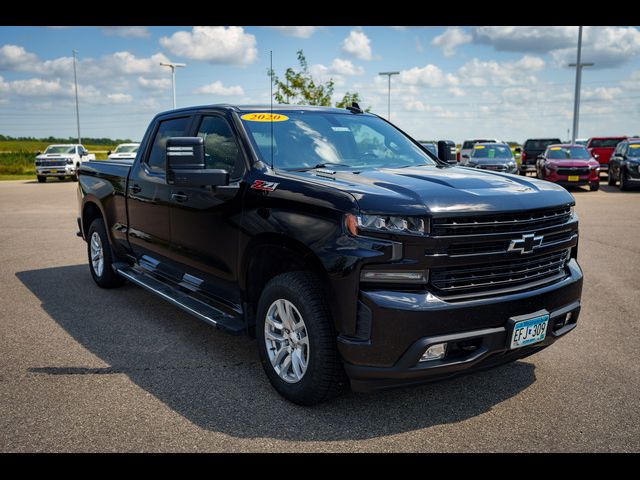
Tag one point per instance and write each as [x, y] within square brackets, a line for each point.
[85, 369]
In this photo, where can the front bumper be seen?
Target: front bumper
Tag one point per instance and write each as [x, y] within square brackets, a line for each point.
[404, 324]
[62, 171]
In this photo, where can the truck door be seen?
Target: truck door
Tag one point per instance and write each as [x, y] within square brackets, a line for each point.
[148, 197]
[205, 221]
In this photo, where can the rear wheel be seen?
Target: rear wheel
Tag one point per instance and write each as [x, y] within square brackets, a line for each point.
[100, 257]
[41, 178]
[594, 187]
[297, 341]
[76, 174]
[611, 181]
[61, 178]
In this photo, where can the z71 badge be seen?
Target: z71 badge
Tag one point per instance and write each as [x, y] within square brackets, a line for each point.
[262, 185]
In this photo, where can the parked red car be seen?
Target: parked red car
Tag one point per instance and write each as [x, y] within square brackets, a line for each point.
[601, 149]
[569, 165]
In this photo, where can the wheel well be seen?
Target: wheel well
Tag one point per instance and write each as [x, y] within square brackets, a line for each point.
[90, 212]
[270, 258]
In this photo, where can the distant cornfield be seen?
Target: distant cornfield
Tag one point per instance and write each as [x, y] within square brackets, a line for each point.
[17, 163]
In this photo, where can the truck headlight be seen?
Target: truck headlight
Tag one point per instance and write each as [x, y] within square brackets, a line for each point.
[386, 224]
[69, 161]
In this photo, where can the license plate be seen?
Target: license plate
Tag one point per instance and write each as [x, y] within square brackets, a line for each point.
[574, 178]
[527, 332]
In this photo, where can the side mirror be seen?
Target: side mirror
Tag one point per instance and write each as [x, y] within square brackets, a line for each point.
[186, 166]
[517, 150]
[38, 152]
[465, 156]
[596, 156]
[108, 152]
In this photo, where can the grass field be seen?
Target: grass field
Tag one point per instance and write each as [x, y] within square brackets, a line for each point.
[17, 158]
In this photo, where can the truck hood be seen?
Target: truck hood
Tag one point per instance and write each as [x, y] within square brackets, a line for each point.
[122, 155]
[440, 190]
[54, 156]
[572, 162]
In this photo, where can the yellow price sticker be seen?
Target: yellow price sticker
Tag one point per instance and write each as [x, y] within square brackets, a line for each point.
[634, 145]
[556, 148]
[264, 117]
[479, 147]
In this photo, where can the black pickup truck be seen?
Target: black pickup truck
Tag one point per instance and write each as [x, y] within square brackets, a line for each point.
[351, 253]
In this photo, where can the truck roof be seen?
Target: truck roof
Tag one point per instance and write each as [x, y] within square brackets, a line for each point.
[261, 108]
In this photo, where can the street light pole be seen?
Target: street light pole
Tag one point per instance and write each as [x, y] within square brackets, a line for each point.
[579, 66]
[389, 74]
[75, 81]
[173, 67]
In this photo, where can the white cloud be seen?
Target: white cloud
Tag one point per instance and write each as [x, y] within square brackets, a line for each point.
[429, 75]
[607, 47]
[15, 57]
[451, 38]
[601, 93]
[358, 45]
[119, 98]
[298, 32]
[126, 63]
[539, 39]
[457, 92]
[127, 32]
[217, 88]
[154, 83]
[633, 82]
[227, 45]
[481, 73]
[36, 87]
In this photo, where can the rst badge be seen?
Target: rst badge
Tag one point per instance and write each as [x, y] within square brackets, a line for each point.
[262, 185]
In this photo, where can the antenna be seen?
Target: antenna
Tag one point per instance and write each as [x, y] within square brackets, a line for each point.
[271, 108]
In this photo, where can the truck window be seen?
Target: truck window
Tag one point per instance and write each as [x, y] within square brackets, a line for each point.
[220, 147]
[175, 127]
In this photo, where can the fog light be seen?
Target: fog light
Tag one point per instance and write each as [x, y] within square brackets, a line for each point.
[393, 276]
[434, 352]
[568, 318]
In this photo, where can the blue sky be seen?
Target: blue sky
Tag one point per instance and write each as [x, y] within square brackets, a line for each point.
[455, 82]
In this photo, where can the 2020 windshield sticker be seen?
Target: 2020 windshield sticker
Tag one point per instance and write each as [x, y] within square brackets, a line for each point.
[266, 186]
[264, 117]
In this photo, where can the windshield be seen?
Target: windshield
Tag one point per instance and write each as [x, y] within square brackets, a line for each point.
[634, 150]
[60, 149]
[564, 153]
[308, 139]
[431, 147]
[126, 149]
[540, 144]
[491, 151]
[605, 142]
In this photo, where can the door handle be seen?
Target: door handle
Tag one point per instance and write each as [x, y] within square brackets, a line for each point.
[179, 197]
[135, 188]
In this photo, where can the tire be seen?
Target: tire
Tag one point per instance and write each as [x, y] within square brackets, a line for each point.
[105, 277]
[610, 180]
[594, 187]
[324, 377]
[623, 181]
[41, 178]
[61, 178]
[76, 174]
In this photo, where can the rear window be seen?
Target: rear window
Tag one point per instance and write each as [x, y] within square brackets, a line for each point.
[470, 143]
[605, 142]
[633, 150]
[491, 151]
[540, 144]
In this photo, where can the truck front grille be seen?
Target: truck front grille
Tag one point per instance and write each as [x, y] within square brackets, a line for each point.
[490, 278]
[573, 171]
[51, 163]
[500, 223]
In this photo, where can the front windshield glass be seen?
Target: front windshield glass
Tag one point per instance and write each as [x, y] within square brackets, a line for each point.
[126, 149]
[308, 139]
[564, 153]
[491, 151]
[60, 149]
[634, 150]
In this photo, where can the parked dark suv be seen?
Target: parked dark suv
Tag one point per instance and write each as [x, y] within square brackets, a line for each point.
[531, 149]
[351, 253]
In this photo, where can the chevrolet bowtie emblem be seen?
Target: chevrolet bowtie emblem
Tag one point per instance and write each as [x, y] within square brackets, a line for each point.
[526, 244]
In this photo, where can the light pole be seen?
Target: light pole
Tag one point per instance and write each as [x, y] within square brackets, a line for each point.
[173, 67]
[579, 66]
[389, 74]
[75, 81]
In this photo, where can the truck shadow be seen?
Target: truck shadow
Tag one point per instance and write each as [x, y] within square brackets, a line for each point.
[215, 380]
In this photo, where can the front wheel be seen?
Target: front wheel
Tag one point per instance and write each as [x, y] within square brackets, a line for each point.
[623, 181]
[297, 340]
[594, 187]
[611, 181]
[100, 257]
[41, 178]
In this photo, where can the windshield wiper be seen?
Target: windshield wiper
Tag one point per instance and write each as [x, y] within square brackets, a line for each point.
[319, 165]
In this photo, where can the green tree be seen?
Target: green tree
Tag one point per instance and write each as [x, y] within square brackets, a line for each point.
[298, 87]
